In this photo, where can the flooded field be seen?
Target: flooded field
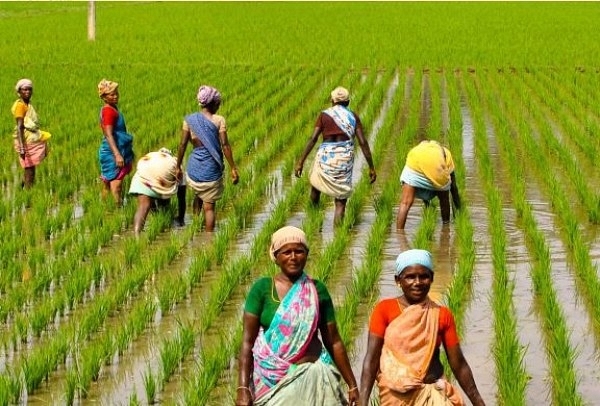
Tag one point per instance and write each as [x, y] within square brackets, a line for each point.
[90, 314]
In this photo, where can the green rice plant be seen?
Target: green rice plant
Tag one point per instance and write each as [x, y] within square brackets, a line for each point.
[10, 389]
[557, 336]
[508, 353]
[134, 401]
[150, 386]
[71, 386]
[170, 356]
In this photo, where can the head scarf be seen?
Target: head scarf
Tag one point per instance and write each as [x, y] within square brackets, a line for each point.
[286, 235]
[23, 83]
[413, 257]
[106, 87]
[340, 94]
[207, 95]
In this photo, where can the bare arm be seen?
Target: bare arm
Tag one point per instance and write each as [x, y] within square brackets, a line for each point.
[21, 136]
[309, 146]
[108, 134]
[454, 192]
[246, 359]
[235, 177]
[185, 138]
[370, 367]
[444, 197]
[406, 202]
[335, 346]
[364, 146]
[464, 376]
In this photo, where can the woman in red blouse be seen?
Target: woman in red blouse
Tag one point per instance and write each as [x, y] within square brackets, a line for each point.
[405, 334]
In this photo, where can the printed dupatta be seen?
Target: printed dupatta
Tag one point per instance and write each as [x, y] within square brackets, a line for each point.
[408, 346]
[343, 118]
[208, 133]
[286, 339]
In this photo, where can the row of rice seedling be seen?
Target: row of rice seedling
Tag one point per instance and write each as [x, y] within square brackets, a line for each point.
[549, 130]
[563, 372]
[507, 350]
[584, 270]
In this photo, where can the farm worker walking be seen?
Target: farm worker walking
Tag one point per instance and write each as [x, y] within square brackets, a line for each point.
[207, 132]
[30, 142]
[403, 349]
[282, 360]
[154, 183]
[428, 172]
[332, 169]
[116, 149]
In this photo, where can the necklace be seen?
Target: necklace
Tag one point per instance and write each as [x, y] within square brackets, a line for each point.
[274, 292]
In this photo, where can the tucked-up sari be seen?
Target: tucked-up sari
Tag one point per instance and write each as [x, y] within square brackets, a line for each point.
[277, 380]
[205, 166]
[34, 138]
[109, 170]
[331, 172]
[428, 168]
[409, 344]
[156, 176]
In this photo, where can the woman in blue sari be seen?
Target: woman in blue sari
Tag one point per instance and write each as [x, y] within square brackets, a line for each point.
[207, 132]
[116, 150]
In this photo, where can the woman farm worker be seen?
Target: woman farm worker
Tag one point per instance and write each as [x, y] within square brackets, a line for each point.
[282, 360]
[116, 150]
[428, 172]
[154, 182]
[207, 133]
[403, 350]
[30, 141]
[332, 170]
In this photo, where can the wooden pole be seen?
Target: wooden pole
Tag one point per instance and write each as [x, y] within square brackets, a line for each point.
[91, 20]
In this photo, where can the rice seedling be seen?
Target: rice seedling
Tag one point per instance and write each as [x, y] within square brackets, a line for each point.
[150, 386]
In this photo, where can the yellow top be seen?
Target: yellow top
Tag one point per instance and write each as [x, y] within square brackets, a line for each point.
[432, 160]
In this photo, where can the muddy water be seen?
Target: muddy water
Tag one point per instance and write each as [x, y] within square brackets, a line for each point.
[477, 343]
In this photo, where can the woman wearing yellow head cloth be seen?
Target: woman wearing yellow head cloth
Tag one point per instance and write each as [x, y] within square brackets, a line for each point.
[428, 172]
[30, 141]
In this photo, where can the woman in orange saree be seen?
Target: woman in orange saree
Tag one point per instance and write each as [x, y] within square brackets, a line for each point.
[405, 334]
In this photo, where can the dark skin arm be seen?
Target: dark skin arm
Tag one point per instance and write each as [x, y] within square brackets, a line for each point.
[406, 202]
[108, 134]
[246, 359]
[464, 375]
[454, 192]
[444, 197]
[335, 346]
[364, 146]
[309, 146]
[370, 367]
[185, 138]
[235, 177]
[20, 136]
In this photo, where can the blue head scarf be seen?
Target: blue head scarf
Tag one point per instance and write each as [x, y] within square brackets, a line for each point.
[413, 257]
